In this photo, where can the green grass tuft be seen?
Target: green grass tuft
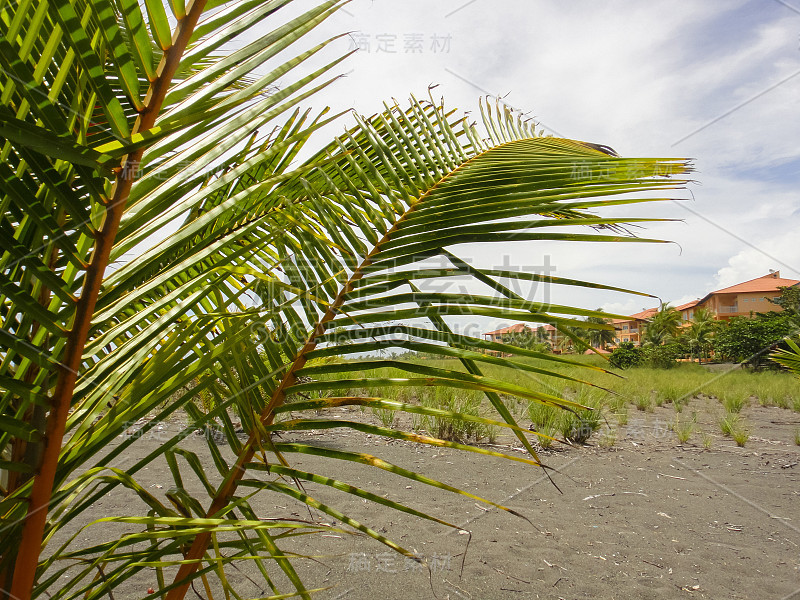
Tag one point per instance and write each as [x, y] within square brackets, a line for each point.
[684, 430]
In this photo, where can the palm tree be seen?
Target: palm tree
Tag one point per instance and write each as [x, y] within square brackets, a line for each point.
[522, 339]
[569, 338]
[603, 335]
[701, 330]
[163, 243]
[542, 337]
[663, 326]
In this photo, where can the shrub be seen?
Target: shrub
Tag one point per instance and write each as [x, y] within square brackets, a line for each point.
[626, 356]
[662, 357]
[749, 340]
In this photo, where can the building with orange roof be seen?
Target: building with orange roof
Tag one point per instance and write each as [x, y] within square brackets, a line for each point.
[741, 300]
[747, 298]
[503, 335]
[687, 310]
[553, 336]
[500, 334]
[630, 329]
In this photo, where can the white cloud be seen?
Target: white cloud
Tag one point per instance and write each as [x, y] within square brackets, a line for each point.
[638, 76]
[629, 308]
[780, 253]
[685, 299]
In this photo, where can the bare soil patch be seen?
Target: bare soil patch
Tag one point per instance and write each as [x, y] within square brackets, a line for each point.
[644, 518]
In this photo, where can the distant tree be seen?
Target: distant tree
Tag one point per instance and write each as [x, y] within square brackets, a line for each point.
[749, 341]
[566, 344]
[522, 339]
[626, 356]
[543, 337]
[789, 356]
[529, 339]
[572, 339]
[698, 337]
[599, 338]
[663, 326]
[789, 301]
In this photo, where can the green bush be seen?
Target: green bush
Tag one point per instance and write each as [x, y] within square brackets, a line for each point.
[626, 356]
[664, 356]
[750, 340]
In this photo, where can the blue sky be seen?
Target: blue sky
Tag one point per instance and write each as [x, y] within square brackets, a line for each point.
[718, 81]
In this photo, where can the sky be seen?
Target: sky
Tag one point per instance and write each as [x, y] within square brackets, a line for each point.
[717, 81]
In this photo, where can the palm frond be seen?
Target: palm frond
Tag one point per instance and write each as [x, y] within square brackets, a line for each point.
[412, 184]
[275, 277]
[788, 358]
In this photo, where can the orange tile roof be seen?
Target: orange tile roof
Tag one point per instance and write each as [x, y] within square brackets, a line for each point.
[688, 305]
[518, 328]
[596, 351]
[767, 283]
[639, 316]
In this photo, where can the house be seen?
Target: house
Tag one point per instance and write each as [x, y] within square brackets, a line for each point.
[740, 300]
[747, 298]
[630, 329]
[553, 336]
[743, 299]
[503, 335]
[687, 310]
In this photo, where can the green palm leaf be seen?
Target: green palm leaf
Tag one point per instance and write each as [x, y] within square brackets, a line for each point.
[276, 276]
[788, 358]
[403, 172]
